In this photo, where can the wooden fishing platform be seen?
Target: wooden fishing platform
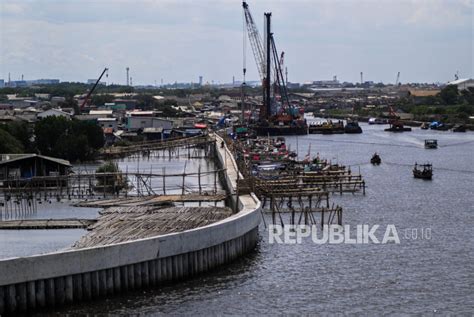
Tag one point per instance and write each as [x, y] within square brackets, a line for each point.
[146, 147]
[155, 200]
[46, 224]
[119, 224]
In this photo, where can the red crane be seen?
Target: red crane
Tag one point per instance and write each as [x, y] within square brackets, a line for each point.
[93, 88]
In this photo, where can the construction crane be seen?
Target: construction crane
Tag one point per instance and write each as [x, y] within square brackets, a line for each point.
[93, 88]
[263, 62]
[394, 119]
[397, 82]
[255, 41]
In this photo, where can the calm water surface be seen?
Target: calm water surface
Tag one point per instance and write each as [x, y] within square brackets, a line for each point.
[417, 276]
[14, 243]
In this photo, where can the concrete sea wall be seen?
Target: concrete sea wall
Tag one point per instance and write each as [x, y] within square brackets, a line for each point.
[54, 279]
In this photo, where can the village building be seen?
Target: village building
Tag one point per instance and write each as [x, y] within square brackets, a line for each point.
[53, 113]
[25, 166]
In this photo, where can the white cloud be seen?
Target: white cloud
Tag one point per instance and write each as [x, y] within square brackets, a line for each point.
[180, 40]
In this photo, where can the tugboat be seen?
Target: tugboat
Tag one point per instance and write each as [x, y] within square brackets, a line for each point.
[352, 126]
[431, 144]
[375, 160]
[425, 171]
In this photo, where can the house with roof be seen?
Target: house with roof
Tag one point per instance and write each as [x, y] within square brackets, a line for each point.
[463, 84]
[53, 113]
[108, 123]
[19, 167]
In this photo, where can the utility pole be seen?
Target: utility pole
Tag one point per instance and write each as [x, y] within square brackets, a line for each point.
[128, 78]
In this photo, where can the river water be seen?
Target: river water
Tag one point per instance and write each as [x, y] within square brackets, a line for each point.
[15, 243]
[423, 274]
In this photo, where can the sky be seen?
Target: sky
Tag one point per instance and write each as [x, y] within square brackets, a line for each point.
[180, 40]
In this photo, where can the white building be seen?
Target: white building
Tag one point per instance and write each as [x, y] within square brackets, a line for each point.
[463, 83]
[107, 123]
[137, 123]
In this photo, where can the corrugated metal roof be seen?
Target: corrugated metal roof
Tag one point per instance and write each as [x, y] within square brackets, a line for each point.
[459, 81]
[27, 156]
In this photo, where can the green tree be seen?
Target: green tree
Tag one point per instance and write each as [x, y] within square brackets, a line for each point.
[48, 132]
[8, 143]
[93, 133]
[449, 94]
[22, 132]
[69, 139]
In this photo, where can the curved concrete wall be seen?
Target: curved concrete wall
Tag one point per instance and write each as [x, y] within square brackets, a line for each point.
[53, 279]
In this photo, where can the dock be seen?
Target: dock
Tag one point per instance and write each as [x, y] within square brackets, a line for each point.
[155, 200]
[119, 224]
[72, 223]
[168, 146]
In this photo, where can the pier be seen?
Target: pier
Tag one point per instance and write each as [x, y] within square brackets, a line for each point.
[46, 224]
[166, 147]
[137, 244]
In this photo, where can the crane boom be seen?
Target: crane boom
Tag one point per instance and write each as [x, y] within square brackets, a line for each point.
[93, 88]
[255, 40]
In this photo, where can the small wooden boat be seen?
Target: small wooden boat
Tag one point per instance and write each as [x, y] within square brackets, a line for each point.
[431, 144]
[423, 171]
[425, 126]
[459, 128]
[376, 160]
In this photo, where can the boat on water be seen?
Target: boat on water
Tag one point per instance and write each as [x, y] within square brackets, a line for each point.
[377, 121]
[327, 127]
[431, 144]
[425, 126]
[397, 128]
[459, 128]
[396, 125]
[423, 171]
[352, 126]
[375, 160]
[435, 125]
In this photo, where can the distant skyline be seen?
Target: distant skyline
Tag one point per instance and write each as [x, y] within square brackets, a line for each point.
[427, 41]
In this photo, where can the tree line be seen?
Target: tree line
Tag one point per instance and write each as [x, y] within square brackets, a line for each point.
[59, 137]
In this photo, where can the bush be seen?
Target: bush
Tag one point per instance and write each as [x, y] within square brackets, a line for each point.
[111, 183]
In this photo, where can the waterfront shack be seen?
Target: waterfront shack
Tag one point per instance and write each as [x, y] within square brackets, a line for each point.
[26, 166]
